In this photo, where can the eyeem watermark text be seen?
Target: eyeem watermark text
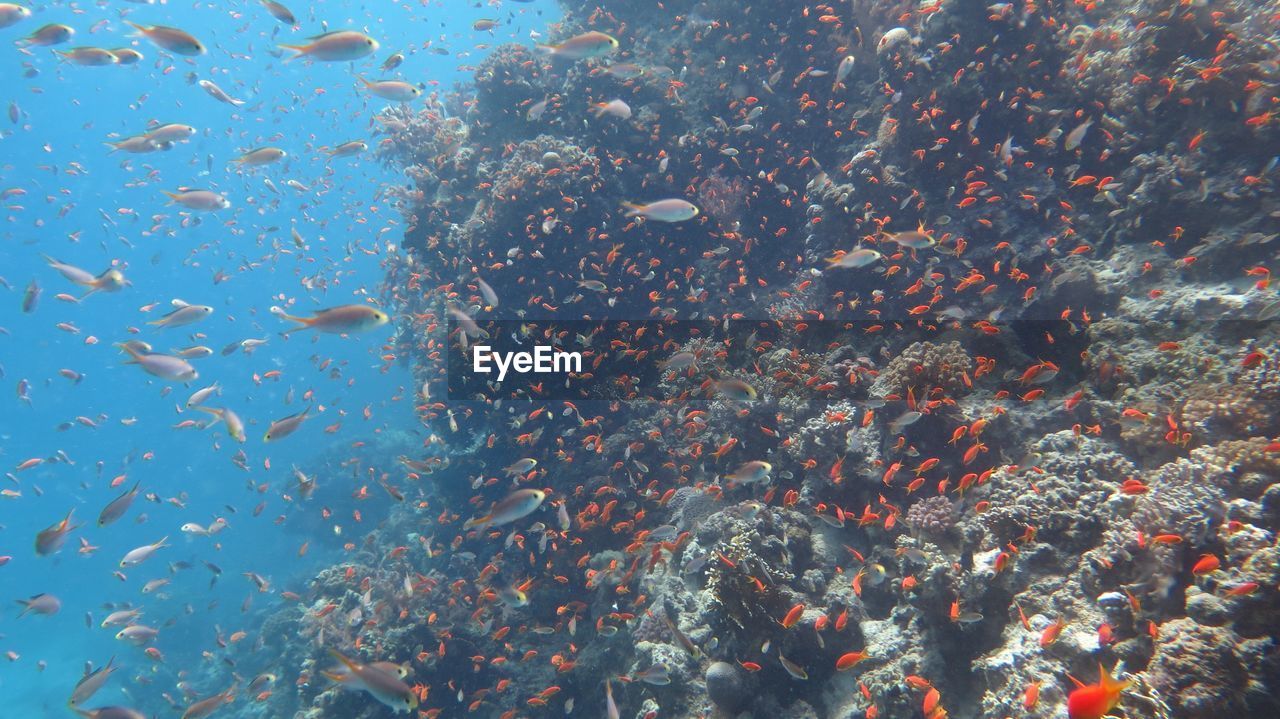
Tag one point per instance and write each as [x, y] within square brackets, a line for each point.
[542, 360]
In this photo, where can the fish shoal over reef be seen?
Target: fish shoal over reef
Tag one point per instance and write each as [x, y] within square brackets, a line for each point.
[929, 359]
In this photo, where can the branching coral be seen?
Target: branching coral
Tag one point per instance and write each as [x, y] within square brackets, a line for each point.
[734, 588]
[723, 197]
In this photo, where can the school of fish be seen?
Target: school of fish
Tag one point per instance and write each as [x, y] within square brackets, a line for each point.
[929, 370]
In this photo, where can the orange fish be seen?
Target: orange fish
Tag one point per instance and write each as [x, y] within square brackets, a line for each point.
[850, 660]
[1031, 696]
[931, 701]
[1242, 590]
[1051, 632]
[1252, 359]
[1208, 563]
[1093, 701]
[793, 616]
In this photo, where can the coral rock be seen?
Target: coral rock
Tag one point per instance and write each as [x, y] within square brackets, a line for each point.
[726, 686]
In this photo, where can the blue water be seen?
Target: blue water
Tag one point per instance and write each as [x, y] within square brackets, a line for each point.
[92, 208]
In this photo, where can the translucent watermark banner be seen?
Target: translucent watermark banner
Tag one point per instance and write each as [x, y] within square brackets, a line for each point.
[765, 360]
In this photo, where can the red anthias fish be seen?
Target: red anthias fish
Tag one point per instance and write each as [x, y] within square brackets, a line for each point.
[1093, 701]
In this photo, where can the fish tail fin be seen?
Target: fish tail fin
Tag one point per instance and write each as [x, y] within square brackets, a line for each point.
[211, 410]
[133, 354]
[477, 522]
[333, 676]
[173, 196]
[548, 49]
[142, 31]
[1110, 683]
[161, 543]
[633, 209]
[304, 322]
[346, 661]
[297, 50]
[279, 312]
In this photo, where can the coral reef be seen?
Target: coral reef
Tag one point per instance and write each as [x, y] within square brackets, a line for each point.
[934, 515]
[925, 368]
[1029, 427]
